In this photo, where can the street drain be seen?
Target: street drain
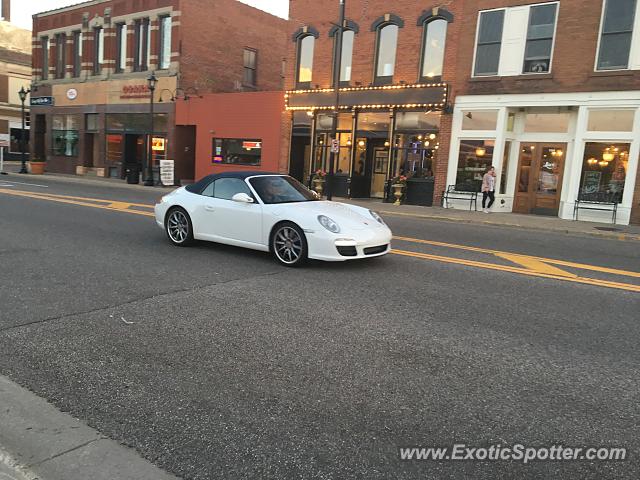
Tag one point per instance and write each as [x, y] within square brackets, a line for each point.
[608, 229]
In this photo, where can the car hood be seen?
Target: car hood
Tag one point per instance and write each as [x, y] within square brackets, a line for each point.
[347, 216]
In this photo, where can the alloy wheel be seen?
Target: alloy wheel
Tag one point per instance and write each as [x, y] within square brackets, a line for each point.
[178, 226]
[288, 245]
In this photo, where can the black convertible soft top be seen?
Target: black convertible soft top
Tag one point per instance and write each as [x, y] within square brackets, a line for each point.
[201, 184]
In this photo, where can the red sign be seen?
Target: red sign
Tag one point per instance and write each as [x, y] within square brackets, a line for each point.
[251, 145]
[135, 91]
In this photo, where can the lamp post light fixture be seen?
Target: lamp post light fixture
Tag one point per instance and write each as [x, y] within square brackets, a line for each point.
[152, 81]
[23, 97]
[337, 68]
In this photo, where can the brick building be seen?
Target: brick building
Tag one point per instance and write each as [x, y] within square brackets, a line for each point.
[91, 62]
[15, 73]
[549, 93]
[398, 59]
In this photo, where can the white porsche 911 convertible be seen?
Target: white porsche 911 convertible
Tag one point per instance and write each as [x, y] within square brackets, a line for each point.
[273, 213]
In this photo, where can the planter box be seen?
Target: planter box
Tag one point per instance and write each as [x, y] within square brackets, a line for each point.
[37, 168]
[419, 192]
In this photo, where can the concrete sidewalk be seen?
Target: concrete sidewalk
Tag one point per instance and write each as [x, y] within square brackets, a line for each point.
[38, 442]
[508, 220]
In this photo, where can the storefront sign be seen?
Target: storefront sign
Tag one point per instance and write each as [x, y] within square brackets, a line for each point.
[42, 102]
[72, 94]
[432, 96]
[135, 91]
[251, 145]
[157, 144]
[167, 172]
[591, 182]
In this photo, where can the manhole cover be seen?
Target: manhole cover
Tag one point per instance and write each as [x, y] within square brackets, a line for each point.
[608, 229]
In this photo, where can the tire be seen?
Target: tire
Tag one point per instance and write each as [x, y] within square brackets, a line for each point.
[178, 227]
[289, 245]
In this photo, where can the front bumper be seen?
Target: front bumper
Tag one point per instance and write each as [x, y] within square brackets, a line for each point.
[369, 243]
[160, 211]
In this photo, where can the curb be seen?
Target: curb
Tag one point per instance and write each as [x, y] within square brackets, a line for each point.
[38, 442]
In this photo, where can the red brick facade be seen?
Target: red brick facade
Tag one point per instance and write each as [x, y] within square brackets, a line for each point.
[206, 54]
[574, 54]
[321, 16]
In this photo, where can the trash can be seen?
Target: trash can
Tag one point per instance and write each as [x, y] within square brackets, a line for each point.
[132, 172]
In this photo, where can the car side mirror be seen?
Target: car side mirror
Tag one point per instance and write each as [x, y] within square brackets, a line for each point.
[242, 198]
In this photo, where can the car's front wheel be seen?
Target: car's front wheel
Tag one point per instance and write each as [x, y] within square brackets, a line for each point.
[289, 245]
[179, 228]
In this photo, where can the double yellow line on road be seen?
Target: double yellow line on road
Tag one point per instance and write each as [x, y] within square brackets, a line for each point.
[527, 265]
[84, 201]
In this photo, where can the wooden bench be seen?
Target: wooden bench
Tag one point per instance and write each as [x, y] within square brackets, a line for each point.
[451, 193]
[600, 201]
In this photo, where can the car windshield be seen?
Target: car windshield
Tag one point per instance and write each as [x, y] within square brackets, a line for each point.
[281, 189]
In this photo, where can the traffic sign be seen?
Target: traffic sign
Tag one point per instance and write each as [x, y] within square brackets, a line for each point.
[335, 146]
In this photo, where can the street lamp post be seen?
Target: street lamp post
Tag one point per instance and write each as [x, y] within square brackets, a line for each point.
[337, 67]
[151, 83]
[23, 97]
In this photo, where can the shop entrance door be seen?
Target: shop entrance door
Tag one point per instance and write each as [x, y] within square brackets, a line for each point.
[134, 149]
[539, 182]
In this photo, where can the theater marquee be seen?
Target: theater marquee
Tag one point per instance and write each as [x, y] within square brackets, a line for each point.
[433, 96]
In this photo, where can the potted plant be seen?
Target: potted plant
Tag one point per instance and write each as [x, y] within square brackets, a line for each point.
[398, 184]
[318, 181]
[36, 165]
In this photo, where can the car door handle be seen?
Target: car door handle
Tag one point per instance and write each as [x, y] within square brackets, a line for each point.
[209, 208]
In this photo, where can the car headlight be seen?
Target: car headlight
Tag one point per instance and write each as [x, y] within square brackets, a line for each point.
[329, 224]
[377, 217]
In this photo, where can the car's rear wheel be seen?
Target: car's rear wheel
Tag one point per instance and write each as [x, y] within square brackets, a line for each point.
[289, 245]
[179, 228]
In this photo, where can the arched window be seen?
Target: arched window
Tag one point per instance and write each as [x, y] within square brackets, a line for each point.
[435, 37]
[305, 39]
[305, 59]
[348, 38]
[386, 53]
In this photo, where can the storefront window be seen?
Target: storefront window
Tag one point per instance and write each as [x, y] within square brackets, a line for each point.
[374, 122]
[325, 122]
[413, 154]
[136, 122]
[547, 122]
[611, 120]
[342, 163]
[480, 120]
[505, 168]
[418, 121]
[16, 138]
[473, 160]
[237, 151]
[604, 171]
[65, 135]
[115, 148]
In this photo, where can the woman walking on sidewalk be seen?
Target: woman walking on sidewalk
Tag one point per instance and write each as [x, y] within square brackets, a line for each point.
[488, 189]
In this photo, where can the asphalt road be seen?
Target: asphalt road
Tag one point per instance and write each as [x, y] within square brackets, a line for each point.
[216, 363]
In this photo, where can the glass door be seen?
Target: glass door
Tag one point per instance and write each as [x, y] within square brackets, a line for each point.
[539, 184]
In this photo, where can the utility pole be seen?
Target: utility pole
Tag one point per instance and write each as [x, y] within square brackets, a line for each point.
[337, 68]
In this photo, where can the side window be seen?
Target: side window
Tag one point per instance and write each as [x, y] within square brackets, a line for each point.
[226, 188]
[208, 192]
